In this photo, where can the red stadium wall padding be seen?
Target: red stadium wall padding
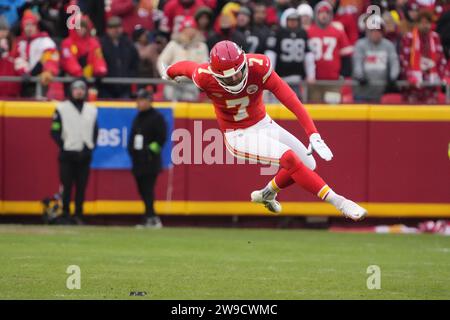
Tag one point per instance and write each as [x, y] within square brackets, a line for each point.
[344, 173]
[217, 182]
[375, 161]
[409, 162]
[347, 172]
[173, 182]
[30, 161]
[2, 160]
[30, 167]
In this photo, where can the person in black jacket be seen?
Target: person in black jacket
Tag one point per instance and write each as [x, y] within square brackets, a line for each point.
[96, 12]
[148, 135]
[121, 57]
[443, 29]
[74, 129]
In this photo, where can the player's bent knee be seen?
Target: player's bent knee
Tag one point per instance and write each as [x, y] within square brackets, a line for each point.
[311, 163]
[290, 160]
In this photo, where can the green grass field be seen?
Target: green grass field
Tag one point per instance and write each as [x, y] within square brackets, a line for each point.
[187, 263]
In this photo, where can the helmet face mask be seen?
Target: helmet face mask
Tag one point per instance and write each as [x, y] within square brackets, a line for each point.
[228, 65]
[232, 85]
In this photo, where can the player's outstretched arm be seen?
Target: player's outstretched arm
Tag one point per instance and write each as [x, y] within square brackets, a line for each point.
[288, 98]
[180, 69]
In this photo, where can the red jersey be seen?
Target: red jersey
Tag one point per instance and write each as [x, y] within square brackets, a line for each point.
[244, 109]
[328, 46]
[350, 24]
[82, 56]
[132, 14]
[175, 13]
[8, 89]
[31, 53]
[240, 110]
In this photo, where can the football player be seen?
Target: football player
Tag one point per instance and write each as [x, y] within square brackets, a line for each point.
[234, 81]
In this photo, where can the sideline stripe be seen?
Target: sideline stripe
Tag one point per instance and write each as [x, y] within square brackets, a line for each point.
[323, 192]
[34, 109]
[249, 156]
[238, 208]
[39, 109]
[274, 185]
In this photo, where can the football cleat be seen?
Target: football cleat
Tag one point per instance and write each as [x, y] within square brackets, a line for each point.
[269, 202]
[352, 210]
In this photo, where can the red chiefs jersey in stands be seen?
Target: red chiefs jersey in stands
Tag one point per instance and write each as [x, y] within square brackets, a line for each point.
[328, 45]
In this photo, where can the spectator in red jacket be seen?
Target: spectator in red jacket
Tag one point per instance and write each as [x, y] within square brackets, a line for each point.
[81, 53]
[7, 89]
[271, 13]
[35, 54]
[175, 11]
[422, 59]
[140, 14]
[345, 21]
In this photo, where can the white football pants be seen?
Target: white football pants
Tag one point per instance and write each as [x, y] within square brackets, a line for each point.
[265, 142]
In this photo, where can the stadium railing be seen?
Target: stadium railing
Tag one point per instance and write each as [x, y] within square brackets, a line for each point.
[156, 81]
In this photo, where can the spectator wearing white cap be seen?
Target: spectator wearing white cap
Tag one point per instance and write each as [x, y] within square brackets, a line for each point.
[306, 15]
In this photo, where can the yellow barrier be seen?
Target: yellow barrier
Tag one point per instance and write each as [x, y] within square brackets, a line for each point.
[1, 144]
[345, 112]
[237, 208]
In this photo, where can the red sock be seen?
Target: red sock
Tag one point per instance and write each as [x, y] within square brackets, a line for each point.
[283, 179]
[301, 174]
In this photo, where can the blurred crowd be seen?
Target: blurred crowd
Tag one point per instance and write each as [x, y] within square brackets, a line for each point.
[315, 43]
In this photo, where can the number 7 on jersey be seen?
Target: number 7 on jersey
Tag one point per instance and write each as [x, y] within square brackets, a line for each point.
[241, 104]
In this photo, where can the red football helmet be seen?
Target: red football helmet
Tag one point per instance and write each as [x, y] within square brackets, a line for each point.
[227, 60]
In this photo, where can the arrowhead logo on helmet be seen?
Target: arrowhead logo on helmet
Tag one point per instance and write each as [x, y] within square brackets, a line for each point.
[228, 64]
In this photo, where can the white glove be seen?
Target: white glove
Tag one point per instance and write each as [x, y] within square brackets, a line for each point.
[164, 72]
[317, 144]
[165, 76]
